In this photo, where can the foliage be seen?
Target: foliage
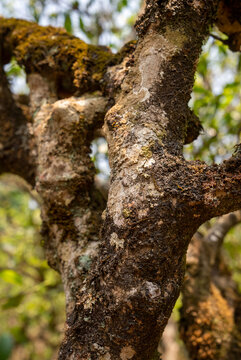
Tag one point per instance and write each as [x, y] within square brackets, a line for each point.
[105, 22]
[232, 247]
[31, 297]
[216, 100]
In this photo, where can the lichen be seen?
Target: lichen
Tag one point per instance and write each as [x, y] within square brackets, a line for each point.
[116, 241]
[146, 152]
[53, 52]
[126, 213]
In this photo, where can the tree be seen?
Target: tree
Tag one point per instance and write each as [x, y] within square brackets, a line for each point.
[210, 316]
[121, 282]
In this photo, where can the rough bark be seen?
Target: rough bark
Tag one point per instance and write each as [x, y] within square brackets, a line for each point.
[156, 200]
[118, 308]
[229, 22]
[53, 53]
[71, 205]
[17, 149]
[210, 316]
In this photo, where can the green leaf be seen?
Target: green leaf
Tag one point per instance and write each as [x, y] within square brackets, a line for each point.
[6, 346]
[13, 302]
[121, 4]
[201, 90]
[18, 333]
[14, 69]
[11, 277]
[68, 23]
[75, 5]
[81, 24]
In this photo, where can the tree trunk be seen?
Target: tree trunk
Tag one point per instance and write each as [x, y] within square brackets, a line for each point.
[120, 295]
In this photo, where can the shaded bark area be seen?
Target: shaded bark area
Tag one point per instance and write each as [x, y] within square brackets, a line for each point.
[229, 22]
[210, 316]
[17, 148]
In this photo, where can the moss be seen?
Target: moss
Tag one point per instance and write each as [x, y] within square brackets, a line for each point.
[209, 334]
[54, 53]
[126, 213]
[146, 152]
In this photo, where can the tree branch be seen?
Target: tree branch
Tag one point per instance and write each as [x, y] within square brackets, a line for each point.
[220, 186]
[210, 324]
[220, 229]
[17, 149]
[228, 21]
[71, 206]
[128, 295]
[126, 300]
[73, 65]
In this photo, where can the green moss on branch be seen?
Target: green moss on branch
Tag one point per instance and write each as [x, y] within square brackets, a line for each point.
[54, 53]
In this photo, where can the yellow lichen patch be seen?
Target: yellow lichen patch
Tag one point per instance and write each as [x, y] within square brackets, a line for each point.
[213, 324]
[146, 152]
[53, 52]
[126, 213]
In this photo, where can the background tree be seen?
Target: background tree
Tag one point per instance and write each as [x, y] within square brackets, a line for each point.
[91, 82]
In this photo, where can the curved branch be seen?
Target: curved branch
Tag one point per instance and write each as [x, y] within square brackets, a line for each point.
[221, 186]
[222, 226]
[73, 65]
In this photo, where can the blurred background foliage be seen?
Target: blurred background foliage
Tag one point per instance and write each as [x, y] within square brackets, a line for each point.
[31, 294]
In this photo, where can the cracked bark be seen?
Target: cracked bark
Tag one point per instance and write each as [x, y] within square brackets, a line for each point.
[210, 316]
[71, 205]
[118, 308]
[156, 199]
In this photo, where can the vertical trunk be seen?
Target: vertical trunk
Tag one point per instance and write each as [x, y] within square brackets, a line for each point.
[127, 300]
[71, 205]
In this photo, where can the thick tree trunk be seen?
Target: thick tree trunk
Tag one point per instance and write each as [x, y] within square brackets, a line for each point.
[120, 295]
[156, 200]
